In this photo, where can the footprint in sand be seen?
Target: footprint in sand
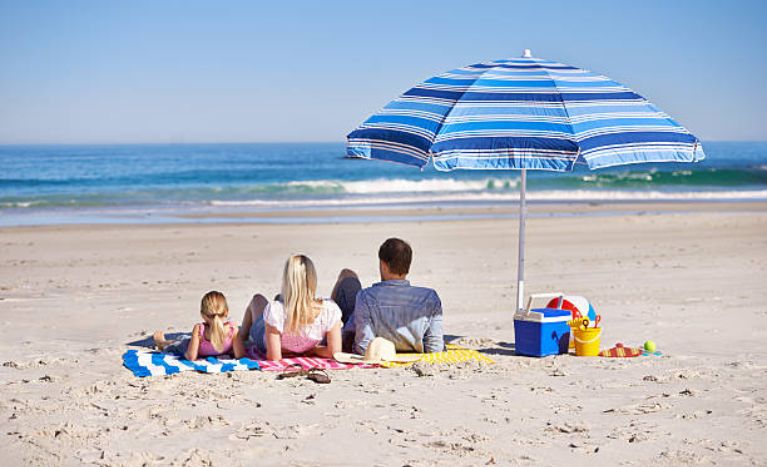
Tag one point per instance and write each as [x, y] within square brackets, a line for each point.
[367, 426]
[567, 428]
[452, 448]
[459, 443]
[200, 422]
[294, 431]
[474, 342]
[639, 409]
[193, 457]
[91, 456]
[635, 432]
[757, 414]
[20, 365]
[694, 415]
[253, 430]
[583, 447]
[679, 456]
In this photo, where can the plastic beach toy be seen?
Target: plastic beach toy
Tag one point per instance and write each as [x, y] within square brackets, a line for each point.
[587, 341]
[576, 305]
[619, 351]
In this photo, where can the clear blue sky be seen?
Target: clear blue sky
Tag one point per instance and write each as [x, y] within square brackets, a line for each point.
[205, 71]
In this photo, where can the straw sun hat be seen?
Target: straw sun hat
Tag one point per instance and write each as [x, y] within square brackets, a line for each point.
[379, 350]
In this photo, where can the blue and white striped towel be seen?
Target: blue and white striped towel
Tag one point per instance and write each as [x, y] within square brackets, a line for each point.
[143, 363]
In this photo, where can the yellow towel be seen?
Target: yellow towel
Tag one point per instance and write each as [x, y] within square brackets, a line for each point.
[453, 354]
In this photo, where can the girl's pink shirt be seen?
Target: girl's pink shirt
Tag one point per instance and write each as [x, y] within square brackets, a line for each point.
[206, 347]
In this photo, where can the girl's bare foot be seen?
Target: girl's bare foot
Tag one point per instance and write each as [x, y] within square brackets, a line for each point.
[159, 340]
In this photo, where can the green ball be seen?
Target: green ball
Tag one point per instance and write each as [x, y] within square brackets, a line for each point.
[649, 346]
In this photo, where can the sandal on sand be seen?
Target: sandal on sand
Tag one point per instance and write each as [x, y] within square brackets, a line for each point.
[317, 375]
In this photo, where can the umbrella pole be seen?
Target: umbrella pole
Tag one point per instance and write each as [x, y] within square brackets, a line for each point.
[521, 255]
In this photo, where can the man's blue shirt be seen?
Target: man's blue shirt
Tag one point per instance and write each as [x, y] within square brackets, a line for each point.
[409, 316]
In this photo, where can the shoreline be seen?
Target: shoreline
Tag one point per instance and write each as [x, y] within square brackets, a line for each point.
[374, 213]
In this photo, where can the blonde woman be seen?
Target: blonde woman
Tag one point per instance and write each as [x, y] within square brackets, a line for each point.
[211, 338]
[297, 322]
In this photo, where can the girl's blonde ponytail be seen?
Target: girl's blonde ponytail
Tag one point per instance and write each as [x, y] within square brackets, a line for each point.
[215, 308]
[217, 333]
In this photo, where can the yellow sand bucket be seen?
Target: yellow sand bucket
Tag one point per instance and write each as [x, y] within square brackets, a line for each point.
[587, 342]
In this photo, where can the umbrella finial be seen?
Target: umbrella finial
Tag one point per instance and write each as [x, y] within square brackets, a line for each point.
[527, 53]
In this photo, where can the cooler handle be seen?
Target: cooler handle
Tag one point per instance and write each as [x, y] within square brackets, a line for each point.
[530, 299]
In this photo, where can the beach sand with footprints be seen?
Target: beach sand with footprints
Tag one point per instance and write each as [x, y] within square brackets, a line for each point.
[73, 297]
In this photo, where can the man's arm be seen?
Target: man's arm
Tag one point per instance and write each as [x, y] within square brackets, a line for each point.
[363, 324]
[433, 340]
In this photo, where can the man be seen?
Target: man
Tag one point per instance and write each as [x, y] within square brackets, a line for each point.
[409, 316]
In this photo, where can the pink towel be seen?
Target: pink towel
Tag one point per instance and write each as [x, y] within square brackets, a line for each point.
[305, 362]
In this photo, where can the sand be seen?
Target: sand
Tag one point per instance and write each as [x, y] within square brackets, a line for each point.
[72, 297]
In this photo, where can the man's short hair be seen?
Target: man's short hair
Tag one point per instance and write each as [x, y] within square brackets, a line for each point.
[397, 254]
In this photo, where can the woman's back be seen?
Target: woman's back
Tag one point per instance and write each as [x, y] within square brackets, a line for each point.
[307, 336]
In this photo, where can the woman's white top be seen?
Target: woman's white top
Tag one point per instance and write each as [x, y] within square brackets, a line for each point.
[308, 336]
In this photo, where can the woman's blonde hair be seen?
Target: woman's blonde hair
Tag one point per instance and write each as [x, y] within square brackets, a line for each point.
[213, 309]
[299, 288]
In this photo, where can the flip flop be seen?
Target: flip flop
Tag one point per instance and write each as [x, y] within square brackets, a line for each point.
[317, 375]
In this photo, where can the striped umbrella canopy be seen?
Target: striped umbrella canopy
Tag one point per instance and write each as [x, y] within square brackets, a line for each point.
[519, 114]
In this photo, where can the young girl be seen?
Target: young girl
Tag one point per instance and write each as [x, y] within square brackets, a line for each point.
[297, 322]
[211, 338]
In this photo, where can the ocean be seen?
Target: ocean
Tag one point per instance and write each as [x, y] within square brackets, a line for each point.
[157, 182]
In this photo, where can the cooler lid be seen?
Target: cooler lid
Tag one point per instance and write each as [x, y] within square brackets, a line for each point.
[545, 315]
[553, 312]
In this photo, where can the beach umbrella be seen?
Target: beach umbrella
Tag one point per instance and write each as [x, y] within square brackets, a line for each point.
[522, 114]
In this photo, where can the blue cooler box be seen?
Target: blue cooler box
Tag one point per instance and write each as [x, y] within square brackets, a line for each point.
[541, 332]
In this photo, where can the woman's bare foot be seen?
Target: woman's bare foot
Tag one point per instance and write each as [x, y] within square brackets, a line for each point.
[159, 340]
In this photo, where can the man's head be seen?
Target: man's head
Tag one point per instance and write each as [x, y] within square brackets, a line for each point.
[395, 256]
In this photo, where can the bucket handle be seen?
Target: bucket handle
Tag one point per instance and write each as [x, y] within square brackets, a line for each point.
[594, 339]
[530, 299]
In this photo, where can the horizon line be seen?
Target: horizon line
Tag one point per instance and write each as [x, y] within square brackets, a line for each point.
[190, 143]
